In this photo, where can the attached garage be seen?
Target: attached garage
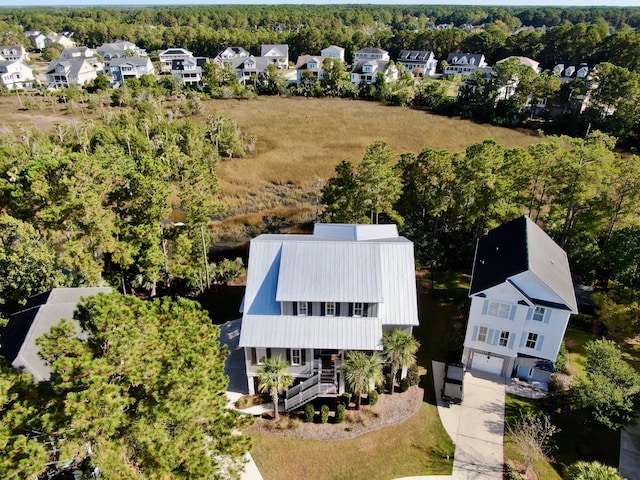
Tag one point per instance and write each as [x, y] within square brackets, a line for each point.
[486, 362]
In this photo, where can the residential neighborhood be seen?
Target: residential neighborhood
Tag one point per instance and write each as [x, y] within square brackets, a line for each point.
[320, 241]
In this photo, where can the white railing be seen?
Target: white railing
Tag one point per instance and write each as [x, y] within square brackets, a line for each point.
[302, 393]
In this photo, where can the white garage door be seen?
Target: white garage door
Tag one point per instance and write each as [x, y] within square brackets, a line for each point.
[487, 363]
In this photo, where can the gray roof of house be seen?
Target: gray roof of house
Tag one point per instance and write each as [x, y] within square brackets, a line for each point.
[381, 65]
[339, 263]
[40, 314]
[477, 57]
[282, 49]
[519, 246]
[136, 61]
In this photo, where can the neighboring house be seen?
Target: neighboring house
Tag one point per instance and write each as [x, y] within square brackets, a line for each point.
[38, 316]
[118, 49]
[14, 53]
[63, 40]
[278, 55]
[369, 62]
[189, 70]
[312, 298]
[65, 73]
[78, 52]
[133, 67]
[526, 61]
[246, 67]
[333, 51]
[464, 64]
[37, 38]
[570, 74]
[521, 298]
[16, 74]
[233, 55]
[168, 56]
[421, 63]
[312, 64]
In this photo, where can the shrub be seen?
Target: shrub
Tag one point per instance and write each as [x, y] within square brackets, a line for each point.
[405, 384]
[324, 414]
[346, 398]
[309, 413]
[373, 397]
[340, 413]
[389, 381]
[288, 423]
[413, 374]
[593, 471]
[561, 362]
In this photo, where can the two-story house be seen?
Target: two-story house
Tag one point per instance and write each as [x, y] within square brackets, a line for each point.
[189, 70]
[521, 298]
[14, 53]
[15, 74]
[125, 68]
[369, 62]
[77, 71]
[333, 51]
[421, 63]
[464, 63]
[311, 298]
[167, 57]
[277, 55]
[312, 64]
[118, 49]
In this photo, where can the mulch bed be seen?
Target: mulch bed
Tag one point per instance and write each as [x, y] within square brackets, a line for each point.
[389, 410]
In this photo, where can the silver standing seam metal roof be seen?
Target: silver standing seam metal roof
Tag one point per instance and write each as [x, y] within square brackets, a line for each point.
[339, 263]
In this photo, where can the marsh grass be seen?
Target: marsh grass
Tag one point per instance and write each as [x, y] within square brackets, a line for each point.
[300, 140]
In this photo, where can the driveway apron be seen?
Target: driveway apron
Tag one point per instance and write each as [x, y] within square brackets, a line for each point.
[479, 439]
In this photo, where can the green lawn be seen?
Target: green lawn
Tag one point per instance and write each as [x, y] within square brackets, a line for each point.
[575, 340]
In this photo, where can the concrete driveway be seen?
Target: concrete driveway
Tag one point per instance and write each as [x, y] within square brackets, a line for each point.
[476, 426]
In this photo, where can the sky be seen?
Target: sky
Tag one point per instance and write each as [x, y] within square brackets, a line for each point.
[535, 3]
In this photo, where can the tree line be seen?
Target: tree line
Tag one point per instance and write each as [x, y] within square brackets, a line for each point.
[124, 200]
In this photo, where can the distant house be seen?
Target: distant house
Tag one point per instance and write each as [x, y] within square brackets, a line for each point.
[133, 67]
[14, 53]
[421, 63]
[522, 296]
[168, 56]
[118, 49]
[277, 55]
[231, 55]
[464, 64]
[312, 64]
[41, 312]
[37, 38]
[63, 40]
[65, 73]
[78, 52]
[246, 67]
[189, 70]
[15, 74]
[526, 61]
[369, 62]
[333, 51]
[311, 298]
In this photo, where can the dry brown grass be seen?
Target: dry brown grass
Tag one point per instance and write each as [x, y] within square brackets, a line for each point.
[300, 140]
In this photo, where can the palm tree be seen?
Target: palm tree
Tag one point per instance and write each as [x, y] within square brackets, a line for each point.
[399, 350]
[360, 371]
[272, 378]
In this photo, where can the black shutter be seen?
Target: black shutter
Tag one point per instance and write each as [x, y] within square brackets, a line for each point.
[337, 309]
[295, 308]
[303, 356]
[289, 356]
[268, 353]
[365, 309]
[351, 309]
[253, 356]
[322, 309]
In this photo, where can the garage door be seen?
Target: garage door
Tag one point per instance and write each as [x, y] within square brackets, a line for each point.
[487, 363]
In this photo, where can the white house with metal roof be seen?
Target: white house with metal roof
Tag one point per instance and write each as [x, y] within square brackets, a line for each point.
[312, 298]
[522, 296]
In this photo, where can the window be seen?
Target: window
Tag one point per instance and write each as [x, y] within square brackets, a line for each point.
[330, 309]
[302, 309]
[295, 356]
[532, 339]
[498, 309]
[538, 314]
[504, 339]
[261, 354]
[482, 334]
[358, 309]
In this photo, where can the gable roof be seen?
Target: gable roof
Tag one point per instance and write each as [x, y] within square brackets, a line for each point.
[280, 50]
[522, 246]
[338, 263]
[476, 59]
[304, 60]
[41, 312]
[415, 55]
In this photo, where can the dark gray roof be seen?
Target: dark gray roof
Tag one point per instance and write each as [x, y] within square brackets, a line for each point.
[520, 246]
[41, 312]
